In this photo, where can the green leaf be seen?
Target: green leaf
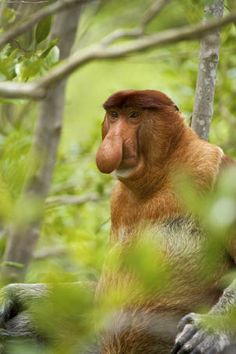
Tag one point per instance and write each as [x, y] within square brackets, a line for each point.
[13, 264]
[43, 29]
[47, 51]
[52, 57]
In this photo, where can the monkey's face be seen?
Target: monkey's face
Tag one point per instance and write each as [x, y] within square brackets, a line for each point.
[120, 150]
[138, 132]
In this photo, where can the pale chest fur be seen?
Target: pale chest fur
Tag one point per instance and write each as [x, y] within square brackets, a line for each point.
[182, 249]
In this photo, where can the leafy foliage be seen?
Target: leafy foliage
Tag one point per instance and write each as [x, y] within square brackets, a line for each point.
[81, 230]
[30, 55]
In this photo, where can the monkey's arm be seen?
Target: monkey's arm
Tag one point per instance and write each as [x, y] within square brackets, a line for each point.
[211, 333]
[15, 317]
[17, 303]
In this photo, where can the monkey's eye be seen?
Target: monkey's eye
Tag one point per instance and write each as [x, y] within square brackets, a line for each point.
[113, 114]
[134, 114]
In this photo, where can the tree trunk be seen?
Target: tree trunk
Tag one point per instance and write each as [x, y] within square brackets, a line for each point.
[23, 238]
[209, 57]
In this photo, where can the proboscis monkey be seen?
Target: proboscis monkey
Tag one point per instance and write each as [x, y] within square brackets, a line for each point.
[145, 142]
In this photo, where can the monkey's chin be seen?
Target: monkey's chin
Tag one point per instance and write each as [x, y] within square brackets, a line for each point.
[133, 172]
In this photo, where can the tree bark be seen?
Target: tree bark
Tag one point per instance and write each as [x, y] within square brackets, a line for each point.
[23, 237]
[205, 90]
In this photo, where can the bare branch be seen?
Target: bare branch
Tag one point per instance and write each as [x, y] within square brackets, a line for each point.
[101, 52]
[154, 11]
[121, 33]
[55, 7]
[205, 90]
[73, 200]
[11, 89]
[149, 15]
[50, 252]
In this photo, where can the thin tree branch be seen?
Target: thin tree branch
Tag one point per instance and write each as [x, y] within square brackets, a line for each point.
[154, 11]
[149, 15]
[50, 252]
[73, 200]
[55, 7]
[95, 9]
[121, 34]
[208, 61]
[101, 52]
[11, 89]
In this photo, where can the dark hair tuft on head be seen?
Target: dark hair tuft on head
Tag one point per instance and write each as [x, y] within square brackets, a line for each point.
[146, 99]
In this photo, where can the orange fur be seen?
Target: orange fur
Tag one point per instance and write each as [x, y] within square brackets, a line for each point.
[169, 146]
[165, 147]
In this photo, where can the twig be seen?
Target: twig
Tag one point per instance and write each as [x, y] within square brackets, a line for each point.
[73, 200]
[28, 2]
[11, 89]
[151, 12]
[50, 252]
[55, 7]
[97, 6]
[101, 52]
[154, 11]
[121, 33]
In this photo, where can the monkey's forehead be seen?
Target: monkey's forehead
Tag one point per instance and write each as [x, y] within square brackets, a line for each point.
[142, 99]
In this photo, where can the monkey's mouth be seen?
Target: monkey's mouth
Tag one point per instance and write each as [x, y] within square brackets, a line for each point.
[130, 167]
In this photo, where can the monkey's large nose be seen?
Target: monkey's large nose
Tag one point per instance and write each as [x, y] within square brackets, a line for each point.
[109, 155]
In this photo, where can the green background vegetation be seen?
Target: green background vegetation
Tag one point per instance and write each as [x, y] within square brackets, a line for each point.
[81, 232]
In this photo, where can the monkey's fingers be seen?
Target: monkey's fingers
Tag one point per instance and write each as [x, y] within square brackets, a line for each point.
[190, 318]
[7, 311]
[4, 334]
[193, 343]
[212, 344]
[204, 343]
[187, 333]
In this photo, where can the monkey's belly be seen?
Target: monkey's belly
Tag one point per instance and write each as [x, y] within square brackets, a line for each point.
[189, 266]
[197, 265]
[147, 320]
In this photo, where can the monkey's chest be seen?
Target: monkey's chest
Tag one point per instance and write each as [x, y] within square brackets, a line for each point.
[189, 266]
[127, 213]
[197, 262]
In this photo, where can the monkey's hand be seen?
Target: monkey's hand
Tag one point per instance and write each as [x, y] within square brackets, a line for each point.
[196, 337]
[15, 317]
[17, 306]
